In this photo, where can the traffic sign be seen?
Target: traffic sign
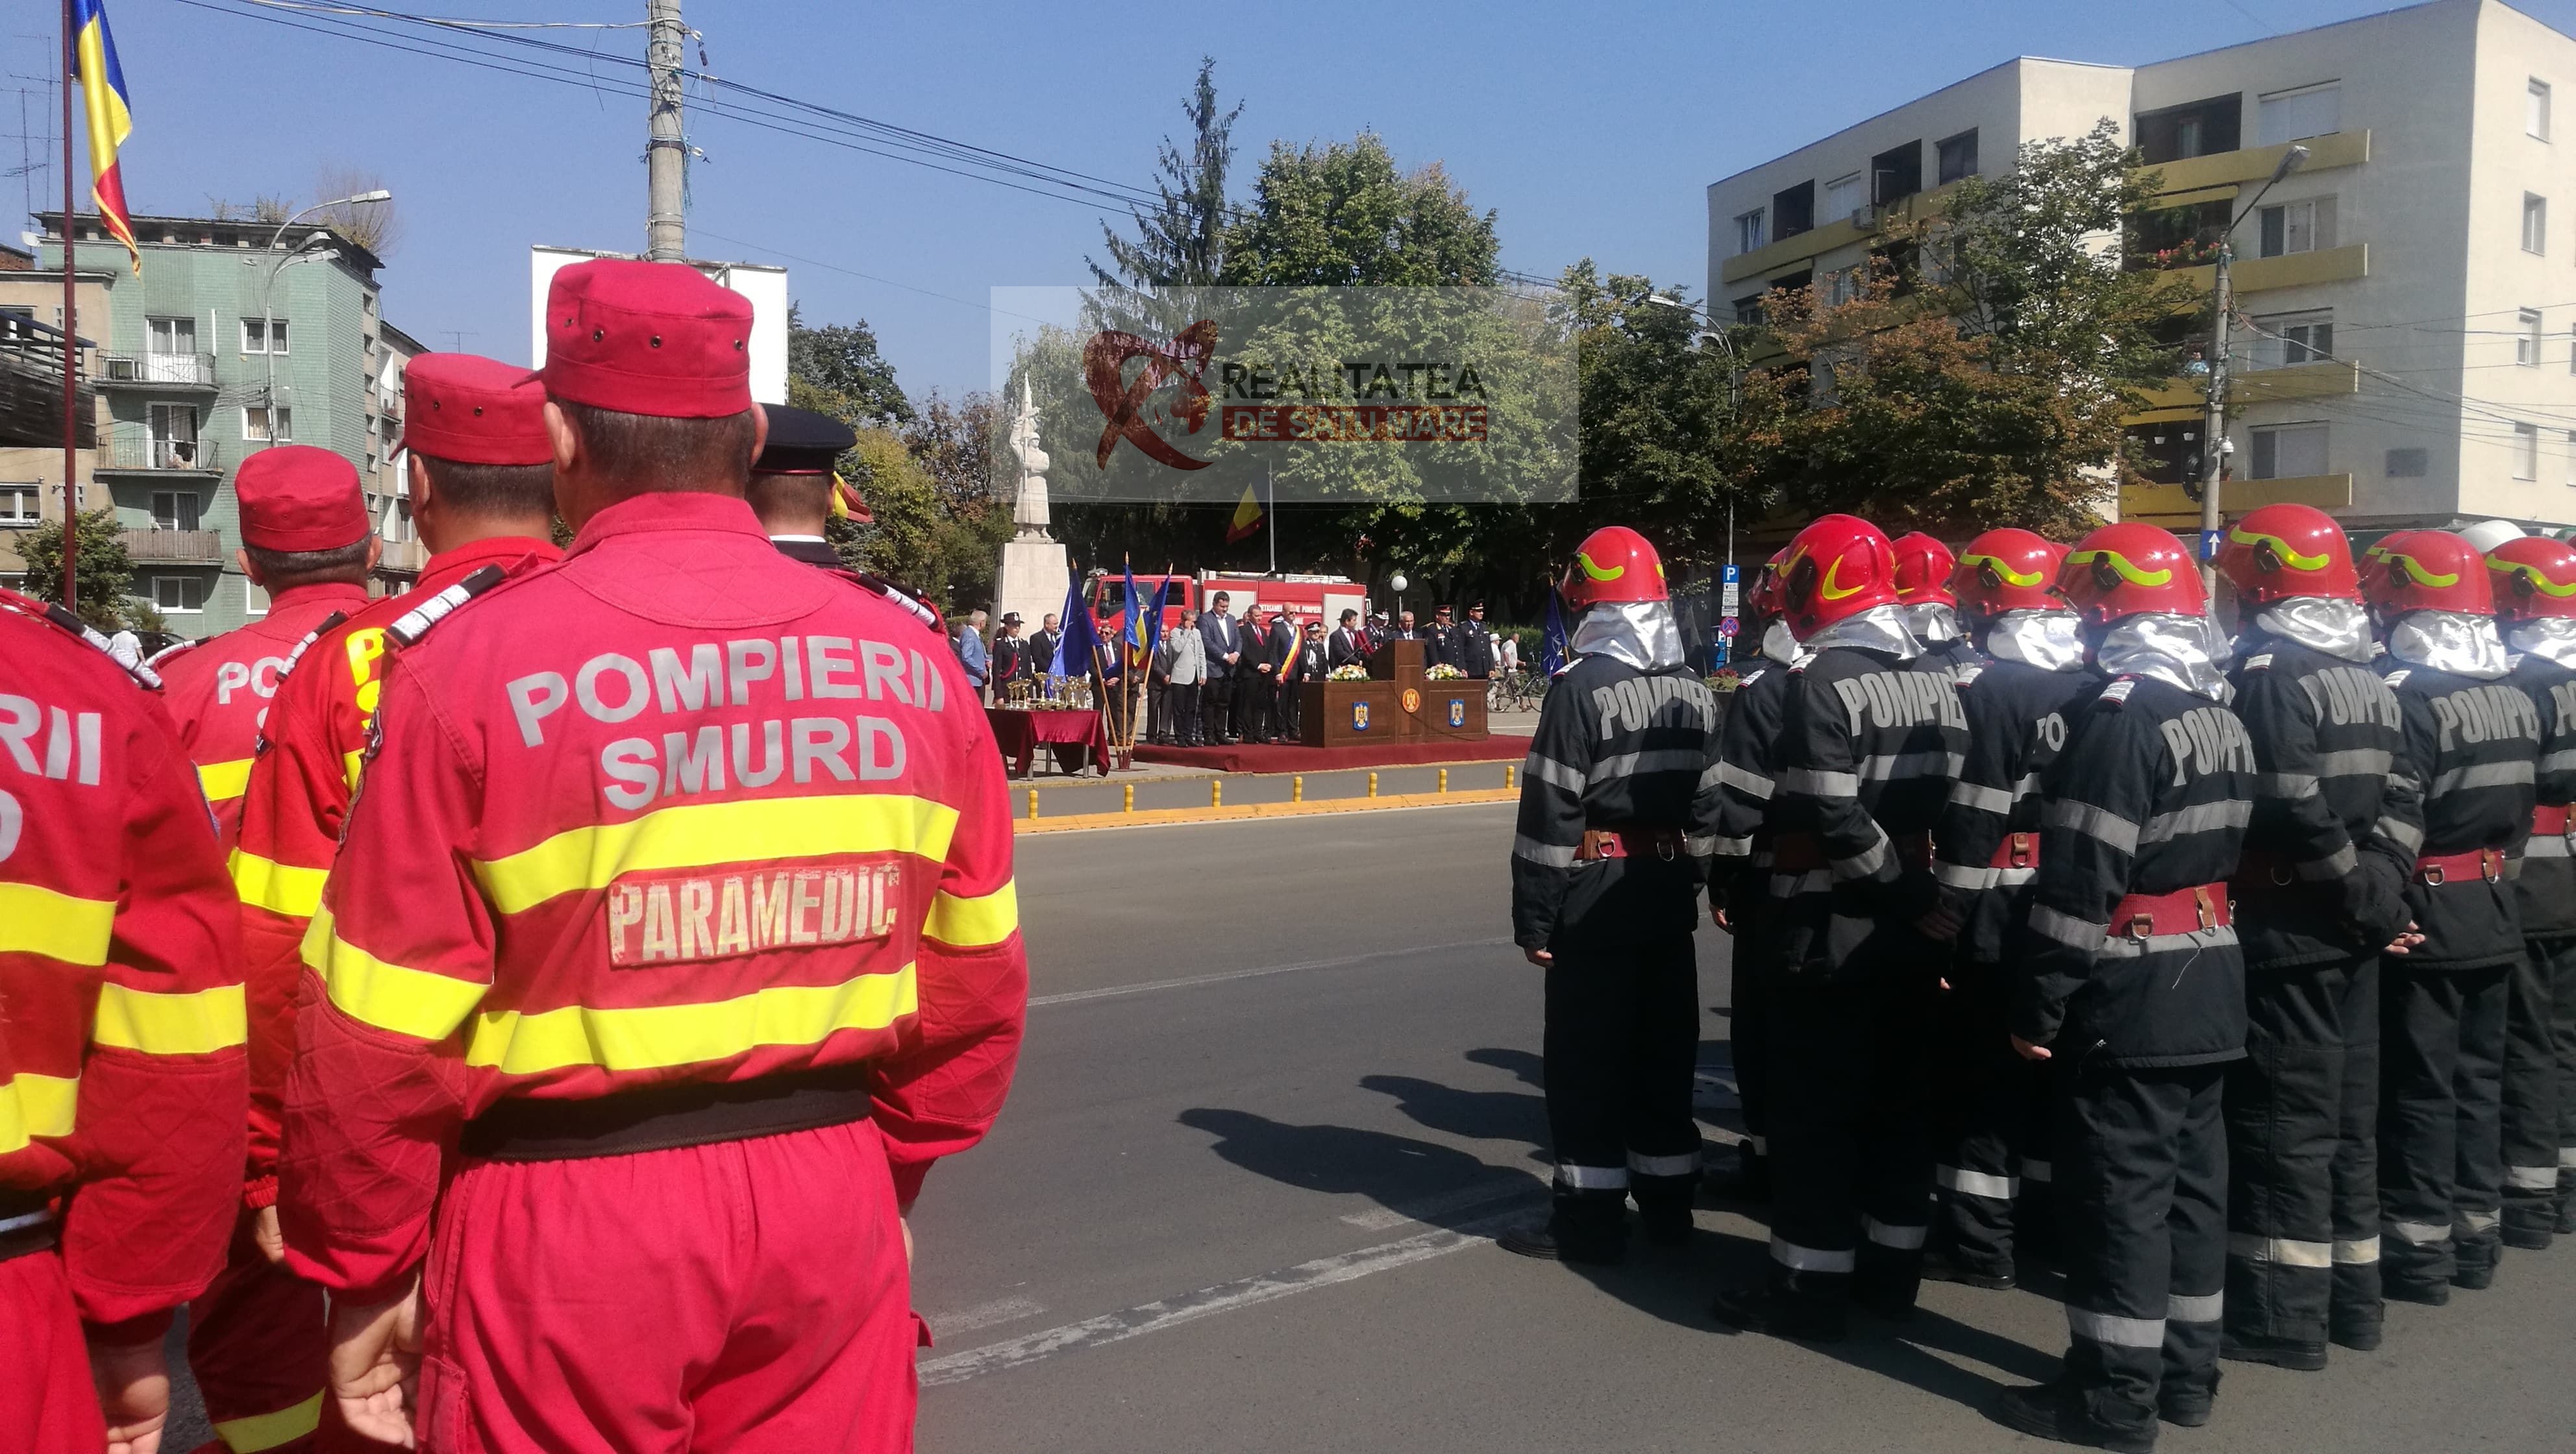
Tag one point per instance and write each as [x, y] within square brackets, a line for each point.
[1730, 576]
[1729, 598]
[2209, 544]
[1728, 626]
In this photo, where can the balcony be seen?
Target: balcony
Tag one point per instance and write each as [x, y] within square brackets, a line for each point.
[2170, 505]
[2253, 164]
[164, 456]
[158, 370]
[402, 558]
[2290, 270]
[2181, 399]
[174, 547]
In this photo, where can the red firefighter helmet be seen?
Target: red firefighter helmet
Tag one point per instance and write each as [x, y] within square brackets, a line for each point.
[2281, 552]
[1768, 583]
[1614, 564]
[2533, 577]
[2007, 570]
[2425, 570]
[2128, 570]
[1923, 567]
[1838, 567]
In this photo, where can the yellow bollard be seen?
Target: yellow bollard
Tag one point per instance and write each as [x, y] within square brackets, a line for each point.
[1131, 799]
[1216, 792]
[1372, 785]
[1444, 779]
[1507, 775]
[1033, 802]
[1297, 788]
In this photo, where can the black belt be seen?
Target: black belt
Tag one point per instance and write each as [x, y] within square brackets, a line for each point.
[661, 1117]
[27, 1224]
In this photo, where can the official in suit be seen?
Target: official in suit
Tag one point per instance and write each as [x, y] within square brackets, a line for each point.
[1440, 640]
[1349, 645]
[1308, 664]
[1256, 697]
[1476, 645]
[1285, 639]
[1042, 646]
[1223, 638]
[1180, 667]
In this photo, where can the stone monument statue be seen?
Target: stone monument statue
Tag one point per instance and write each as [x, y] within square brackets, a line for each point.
[1033, 578]
[1029, 504]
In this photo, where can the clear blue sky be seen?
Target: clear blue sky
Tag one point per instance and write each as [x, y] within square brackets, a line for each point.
[1592, 129]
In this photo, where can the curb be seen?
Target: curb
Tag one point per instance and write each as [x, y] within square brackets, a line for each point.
[1147, 817]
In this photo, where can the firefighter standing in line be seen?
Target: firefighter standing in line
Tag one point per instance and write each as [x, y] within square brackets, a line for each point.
[672, 939]
[1924, 567]
[2534, 579]
[1870, 740]
[1619, 806]
[2320, 895]
[307, 542]
[2461, 802]
[1748, 771]
[2132, 985]
[2031, 681]
[797, 493]
[122, 1074]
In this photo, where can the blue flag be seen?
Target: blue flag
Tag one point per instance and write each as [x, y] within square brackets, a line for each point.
[1555, 651]
[1078, 649]
[1131, 622]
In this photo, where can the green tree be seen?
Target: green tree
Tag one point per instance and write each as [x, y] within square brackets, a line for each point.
[1342, 216]
[1657, 416]
[840, 361]
[102, 570]
[1180, 241]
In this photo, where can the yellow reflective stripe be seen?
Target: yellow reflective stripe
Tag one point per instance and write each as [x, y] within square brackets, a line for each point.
[698, 835]
[280, 888]
[974, 923]
[36, 1105]
[351, 764]
[170, 1024]
[223, 780]
[39, 921]
[656, 1036]
[267, 1431]
[371, 991]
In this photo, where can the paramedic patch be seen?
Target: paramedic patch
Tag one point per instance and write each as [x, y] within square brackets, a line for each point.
[674, 916]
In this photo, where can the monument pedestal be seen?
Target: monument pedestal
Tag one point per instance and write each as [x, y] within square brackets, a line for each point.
[1032, 583]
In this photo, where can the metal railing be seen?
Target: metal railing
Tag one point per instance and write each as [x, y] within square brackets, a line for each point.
[168, 454]
[194, 370]
[174, 547]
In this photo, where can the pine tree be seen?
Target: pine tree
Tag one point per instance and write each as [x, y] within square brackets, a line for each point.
[1180, 242]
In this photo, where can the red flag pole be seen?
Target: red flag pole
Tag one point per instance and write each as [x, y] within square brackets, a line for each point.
[71, 351]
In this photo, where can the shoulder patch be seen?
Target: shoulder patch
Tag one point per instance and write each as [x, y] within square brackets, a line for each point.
[2258, 663]
[1752, 674]
[56, 616]
[2118, 691]
[2395, 679]
[1968, 672]
[414, 624]
[175, 648]
[919, 609]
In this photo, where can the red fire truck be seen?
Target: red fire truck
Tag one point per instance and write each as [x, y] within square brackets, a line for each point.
[1312, 597]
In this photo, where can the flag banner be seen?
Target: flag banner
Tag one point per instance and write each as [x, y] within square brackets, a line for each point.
[111, 120]
[1555, 648]
[1077, 648]
[1247, 518]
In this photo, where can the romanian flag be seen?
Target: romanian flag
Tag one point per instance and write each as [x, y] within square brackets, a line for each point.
[111, 121]
[1247, 517]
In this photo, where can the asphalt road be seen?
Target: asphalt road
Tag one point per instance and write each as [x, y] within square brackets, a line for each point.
[1280, 1078]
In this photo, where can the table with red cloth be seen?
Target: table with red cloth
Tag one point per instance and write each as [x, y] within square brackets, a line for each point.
[1073, 736]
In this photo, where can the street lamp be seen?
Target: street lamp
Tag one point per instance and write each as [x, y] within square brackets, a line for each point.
[2213, 457]
[268, 319]
[1397, 583]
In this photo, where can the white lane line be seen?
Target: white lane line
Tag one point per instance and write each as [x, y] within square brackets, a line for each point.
[1225, 1297]
[1514, 1188]
[984, 1315]
[1193, 981]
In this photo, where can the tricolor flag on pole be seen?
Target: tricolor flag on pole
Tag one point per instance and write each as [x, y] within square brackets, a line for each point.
[1247, 517]
[111, 120]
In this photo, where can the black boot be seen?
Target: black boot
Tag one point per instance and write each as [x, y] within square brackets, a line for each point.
[1941, 1267]
[1667, 1223]
[2295, 1355]
[1767, 1309]
[2354, 1333]
[2187, 1408]
[1589, 1230]
[2057, 1411]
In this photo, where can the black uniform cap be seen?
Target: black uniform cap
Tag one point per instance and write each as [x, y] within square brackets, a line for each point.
[801, 442]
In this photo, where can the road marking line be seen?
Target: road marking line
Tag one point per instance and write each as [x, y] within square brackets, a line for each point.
[1515, 1188]
[1193, 981]
[984, 1315]
[1225, 1297]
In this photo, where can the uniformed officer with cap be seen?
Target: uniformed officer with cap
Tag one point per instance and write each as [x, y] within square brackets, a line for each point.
[794, 487]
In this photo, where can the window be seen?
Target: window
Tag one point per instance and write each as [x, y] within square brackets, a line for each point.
[254, 600]
[2195, 129]
[2526, 342]
[172, 335]
[2289, 451]
[1895, 173]
[2526, 451]
[1748, 230]
[1958, 156]
[174, 510]
[178, 595]
[2293, 115]
[263, 335]
[1793, 211]
[173, 430]
[2409, 464]
[20, 505]
[2535, 109]
[2286, 339]
[1844, 196]
[1842, 286]
[2535, 223]
[1748, 309]
[2298, 227]
[255, 424]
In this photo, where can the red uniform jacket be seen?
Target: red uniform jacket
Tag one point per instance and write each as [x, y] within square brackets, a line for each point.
[219, 690]
[678, 809]
[121, 1062]
[299, 793]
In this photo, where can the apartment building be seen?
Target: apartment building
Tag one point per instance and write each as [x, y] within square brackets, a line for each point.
[2412, 285]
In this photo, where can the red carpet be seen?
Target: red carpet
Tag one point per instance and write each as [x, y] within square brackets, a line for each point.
[1251, 758]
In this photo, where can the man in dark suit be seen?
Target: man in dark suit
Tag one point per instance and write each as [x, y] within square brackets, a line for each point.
[1284, 640]
[1042, 646]
[1255, 681]
[1404, 629]
[1224, 639]
[1476, 645]
[1307, 665]
[1349, 645]
[1440, 640]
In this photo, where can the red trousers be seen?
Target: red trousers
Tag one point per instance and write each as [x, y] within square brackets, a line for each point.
[259, 1344]
[47, 1403]
[745, 1296]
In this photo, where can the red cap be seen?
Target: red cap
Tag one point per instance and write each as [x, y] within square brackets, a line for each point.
[647, 338]
[474, 410]
[297, 497]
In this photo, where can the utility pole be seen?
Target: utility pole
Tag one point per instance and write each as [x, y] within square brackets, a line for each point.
[71, 348]
[666, 154]
[2213, 442]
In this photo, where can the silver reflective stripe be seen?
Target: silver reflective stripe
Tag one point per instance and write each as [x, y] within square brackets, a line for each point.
[1790, 885]
[2121, 946]
[1592, 1178]
[2118, 1332]
[2040, 1171]
[2531, 1178]
[2421, 1234]
[1886, 1234]
[2567, 1156]
[2398, 779]
[25, 1220]
[2284, 1251]
[2198, 818]
[1865, 863]
[1809, 1259]
[2357, 1252]
[2404, 835]
[2563, 760]
[2477, 1221]
[1548, 854]
[2546, 845]
[1977, 1183]
[1704, 845]
[1751, 784]
[1957, 877]
[1761, 1144]
[1820, 784]
[2286, 785]
[1732, 847]
[2334, 865]
[1662, 759]
[2110, 827]
[2353, 762]
[2202, 1308]
[2010, 876]
[1663, 1165]
[1889, 766]
[2028, 785]
[2066, 929]
[1977, 795]
[1552, 772]
[2484, 775]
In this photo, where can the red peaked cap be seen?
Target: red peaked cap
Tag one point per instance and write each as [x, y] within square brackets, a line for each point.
[298, 497]
[647, 338]
[474, 410]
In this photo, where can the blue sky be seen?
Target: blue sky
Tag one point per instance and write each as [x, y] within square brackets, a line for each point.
[1592, 129]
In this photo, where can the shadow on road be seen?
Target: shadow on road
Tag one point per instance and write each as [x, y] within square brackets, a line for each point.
[1482, 1115]
[1530, 1070]
[1422, 1180]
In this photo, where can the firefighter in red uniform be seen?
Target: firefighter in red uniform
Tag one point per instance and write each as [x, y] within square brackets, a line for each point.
[121, 1064]
[305, 541]
[482, 493]
[672, 938]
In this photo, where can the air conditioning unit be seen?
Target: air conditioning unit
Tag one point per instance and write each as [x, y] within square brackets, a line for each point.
[124, 370]
[1864, 217]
